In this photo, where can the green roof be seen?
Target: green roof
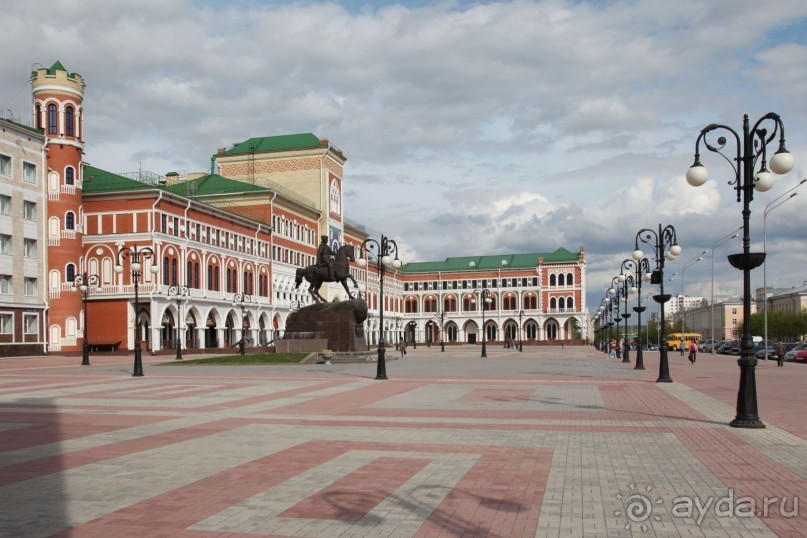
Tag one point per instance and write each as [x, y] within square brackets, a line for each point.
[100, 181]
[213, 185]
[40, 132]
[275, 143]
[513, 261]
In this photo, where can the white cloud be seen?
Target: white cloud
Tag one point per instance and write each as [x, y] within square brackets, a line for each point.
[470, 127]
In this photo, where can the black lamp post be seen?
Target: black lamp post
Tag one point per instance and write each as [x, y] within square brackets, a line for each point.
[641, 271]
[485, 295]
[615, 291]
[627, 287]
[179, 292]
[384, 252]
[397, 324]
[241, 299]
[520, 342]
[413, 327]
[665, 245]
[136, 258]
[751, 150]
[440, 319]
[84, 281]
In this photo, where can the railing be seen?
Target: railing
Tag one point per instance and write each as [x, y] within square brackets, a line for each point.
[69, 189]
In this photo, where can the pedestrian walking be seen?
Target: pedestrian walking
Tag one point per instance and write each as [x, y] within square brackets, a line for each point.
[682, 347]
[780, 353]
[402, 348]
[693, 352]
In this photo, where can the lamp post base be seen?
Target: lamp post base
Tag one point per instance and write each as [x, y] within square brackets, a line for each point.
[85, 356]
[639, 359]
[484, 350]
[138, 362]
[381, 370]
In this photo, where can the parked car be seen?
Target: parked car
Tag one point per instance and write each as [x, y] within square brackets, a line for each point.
[726, 346]
[708, 348]
[789, 355]
[800, 356]
[771, 352]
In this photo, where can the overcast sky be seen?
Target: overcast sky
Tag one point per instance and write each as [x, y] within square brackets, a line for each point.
[470, 127]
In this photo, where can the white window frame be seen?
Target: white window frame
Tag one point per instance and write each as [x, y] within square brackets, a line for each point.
[30, 286]
[30, 324]
[6, 285]
[5, 165]
[6, 323]
[29, 210]
[5, 204]
[29, 172]
[29, 248]
[5, 244]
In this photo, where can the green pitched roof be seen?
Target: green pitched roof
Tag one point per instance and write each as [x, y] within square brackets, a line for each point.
[275, 143]
[213, 185]
[514, 261]
[57, 66]
[100, 181]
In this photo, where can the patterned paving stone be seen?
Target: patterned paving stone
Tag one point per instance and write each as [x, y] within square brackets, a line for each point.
[548, 442]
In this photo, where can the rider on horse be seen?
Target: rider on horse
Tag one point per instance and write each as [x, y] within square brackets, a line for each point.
[325, 256]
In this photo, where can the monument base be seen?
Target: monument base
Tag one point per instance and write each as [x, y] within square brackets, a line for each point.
[340, 325]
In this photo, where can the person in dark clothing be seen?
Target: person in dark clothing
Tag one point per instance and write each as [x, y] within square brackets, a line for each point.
[780, 353]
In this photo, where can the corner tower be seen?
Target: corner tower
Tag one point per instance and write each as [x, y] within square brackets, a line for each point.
[58, 98]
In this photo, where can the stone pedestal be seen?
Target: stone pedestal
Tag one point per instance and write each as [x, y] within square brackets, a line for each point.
[340, 324]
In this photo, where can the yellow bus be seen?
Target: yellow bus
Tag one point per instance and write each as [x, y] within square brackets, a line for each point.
[674, 340]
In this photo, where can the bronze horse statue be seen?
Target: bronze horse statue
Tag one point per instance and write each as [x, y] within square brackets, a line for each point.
[317, 274]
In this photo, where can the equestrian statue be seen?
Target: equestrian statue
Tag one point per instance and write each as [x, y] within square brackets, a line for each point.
[330, 267]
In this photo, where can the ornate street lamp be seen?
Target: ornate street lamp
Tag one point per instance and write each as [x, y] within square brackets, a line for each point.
[84, 281]
[413, 327]
[615, 291]
[179, 292]
[665, 246]
[485, 295]
[683, 294]
[770, 207]
[136, 258]
[641, 271]
[751, 150]
[440, 319]
[627, 287]
[241, 299]
[520, 342]
[384, 252]
[712, 305]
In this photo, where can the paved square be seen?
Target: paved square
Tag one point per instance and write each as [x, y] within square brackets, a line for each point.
[549, 442]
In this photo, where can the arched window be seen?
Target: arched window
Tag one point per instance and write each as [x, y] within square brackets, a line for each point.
[553, 303]
[570, 303]
[450, 304]
[70, 221]
[532, 330]
[210, 277]
[174, 272]
[562, 303]
[69, 119]
[196, 275]
[53, 119]
[530, 302]
[69, 176]
[430, 304]
[70, 272]
[38, 123]
[561, 280]
[570, 279]
[552, 280]
[468, 304]
[336, 197]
